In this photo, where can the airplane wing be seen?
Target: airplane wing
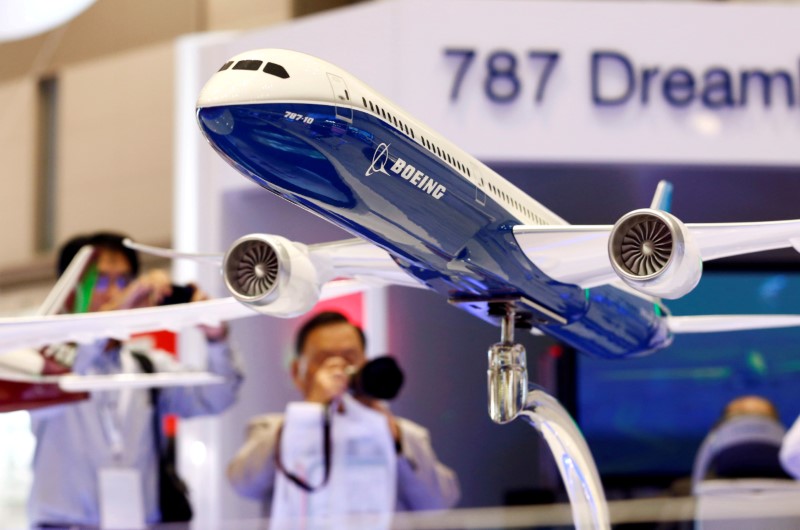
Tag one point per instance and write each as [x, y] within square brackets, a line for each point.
[70, 382]
[351, 258]
[38, 331]
[579, 254]
[353, 265]
[362, 261]
[715, 323]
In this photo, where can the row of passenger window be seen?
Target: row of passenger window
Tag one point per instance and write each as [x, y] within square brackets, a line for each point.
[409, 131]
[444, 155]
[516, 204]
[254, 65]
[388, 117]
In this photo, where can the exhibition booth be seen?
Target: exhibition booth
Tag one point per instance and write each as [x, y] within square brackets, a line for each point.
[585, 106]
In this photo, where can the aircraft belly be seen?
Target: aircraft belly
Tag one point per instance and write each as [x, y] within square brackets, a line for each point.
[616, 325]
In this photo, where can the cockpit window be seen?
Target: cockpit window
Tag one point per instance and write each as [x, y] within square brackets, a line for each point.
[276, 70]
[247, 65]
[225, 66]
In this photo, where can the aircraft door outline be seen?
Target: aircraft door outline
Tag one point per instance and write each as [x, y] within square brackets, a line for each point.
[480, 194]
[340, 93]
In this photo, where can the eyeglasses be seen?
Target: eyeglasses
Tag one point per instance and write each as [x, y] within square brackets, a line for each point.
[104, 282]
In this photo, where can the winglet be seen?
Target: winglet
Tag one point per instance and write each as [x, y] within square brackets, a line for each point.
[662, 200]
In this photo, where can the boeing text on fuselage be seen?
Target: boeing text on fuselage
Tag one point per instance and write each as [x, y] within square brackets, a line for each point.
[405, 170]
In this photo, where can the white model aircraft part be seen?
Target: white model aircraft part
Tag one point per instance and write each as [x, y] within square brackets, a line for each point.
[272, 274]
[343, 267]
[66, 283]
[350, 258]
[569, 254]
[35, 332]
[95, 383]
[721, 240]
[211, 258]
[653, 252]
[717, 323]
[279, 277]
[19, 362]
[579, 254]
[360, 260]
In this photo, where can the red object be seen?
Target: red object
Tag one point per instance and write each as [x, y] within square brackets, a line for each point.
[168, 342]
[162, 340]
[170, 426]
[26, 396]
[351, 306]
[555, 351]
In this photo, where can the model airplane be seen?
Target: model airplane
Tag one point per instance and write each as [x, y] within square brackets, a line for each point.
[426, 214]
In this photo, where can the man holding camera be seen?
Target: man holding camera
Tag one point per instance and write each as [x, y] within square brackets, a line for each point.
[91, 452]
[329, 351]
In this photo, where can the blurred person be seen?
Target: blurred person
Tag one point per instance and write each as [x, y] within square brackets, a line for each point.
[744, 443]
[329, 350]
[77, 443]
[790, 450]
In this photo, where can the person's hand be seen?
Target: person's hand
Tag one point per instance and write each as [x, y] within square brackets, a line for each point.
[329, 381]
[145, 291]
[212, 333]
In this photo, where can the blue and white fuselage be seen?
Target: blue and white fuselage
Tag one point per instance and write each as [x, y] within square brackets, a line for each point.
[318, 137]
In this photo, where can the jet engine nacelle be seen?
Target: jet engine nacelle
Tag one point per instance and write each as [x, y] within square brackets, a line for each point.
[653, 252]
[271, 274]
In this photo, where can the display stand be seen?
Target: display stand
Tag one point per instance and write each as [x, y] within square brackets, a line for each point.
[572, 456]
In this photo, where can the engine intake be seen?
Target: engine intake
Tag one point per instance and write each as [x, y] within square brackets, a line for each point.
[271, 274]
[654, 252]
[251, 269]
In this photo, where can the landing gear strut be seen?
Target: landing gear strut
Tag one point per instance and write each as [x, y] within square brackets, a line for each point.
[510, 395]
[508, 373]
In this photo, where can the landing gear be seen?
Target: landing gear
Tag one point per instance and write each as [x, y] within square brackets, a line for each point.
[510, 395]
[507, 376]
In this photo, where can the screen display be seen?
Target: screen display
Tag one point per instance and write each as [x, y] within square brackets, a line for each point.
[648, 416]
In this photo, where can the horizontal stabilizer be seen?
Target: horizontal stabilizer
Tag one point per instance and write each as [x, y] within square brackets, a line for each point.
[718, 323]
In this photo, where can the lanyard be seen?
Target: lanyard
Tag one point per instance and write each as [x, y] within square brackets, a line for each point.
[114, 405]
[109, 419]
[326, 444]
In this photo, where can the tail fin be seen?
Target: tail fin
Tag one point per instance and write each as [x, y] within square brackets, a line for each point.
[662, 200]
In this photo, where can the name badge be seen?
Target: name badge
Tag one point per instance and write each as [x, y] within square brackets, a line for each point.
[121, 499]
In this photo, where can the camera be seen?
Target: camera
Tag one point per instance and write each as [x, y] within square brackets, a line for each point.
[379, 378]
[181, 294]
